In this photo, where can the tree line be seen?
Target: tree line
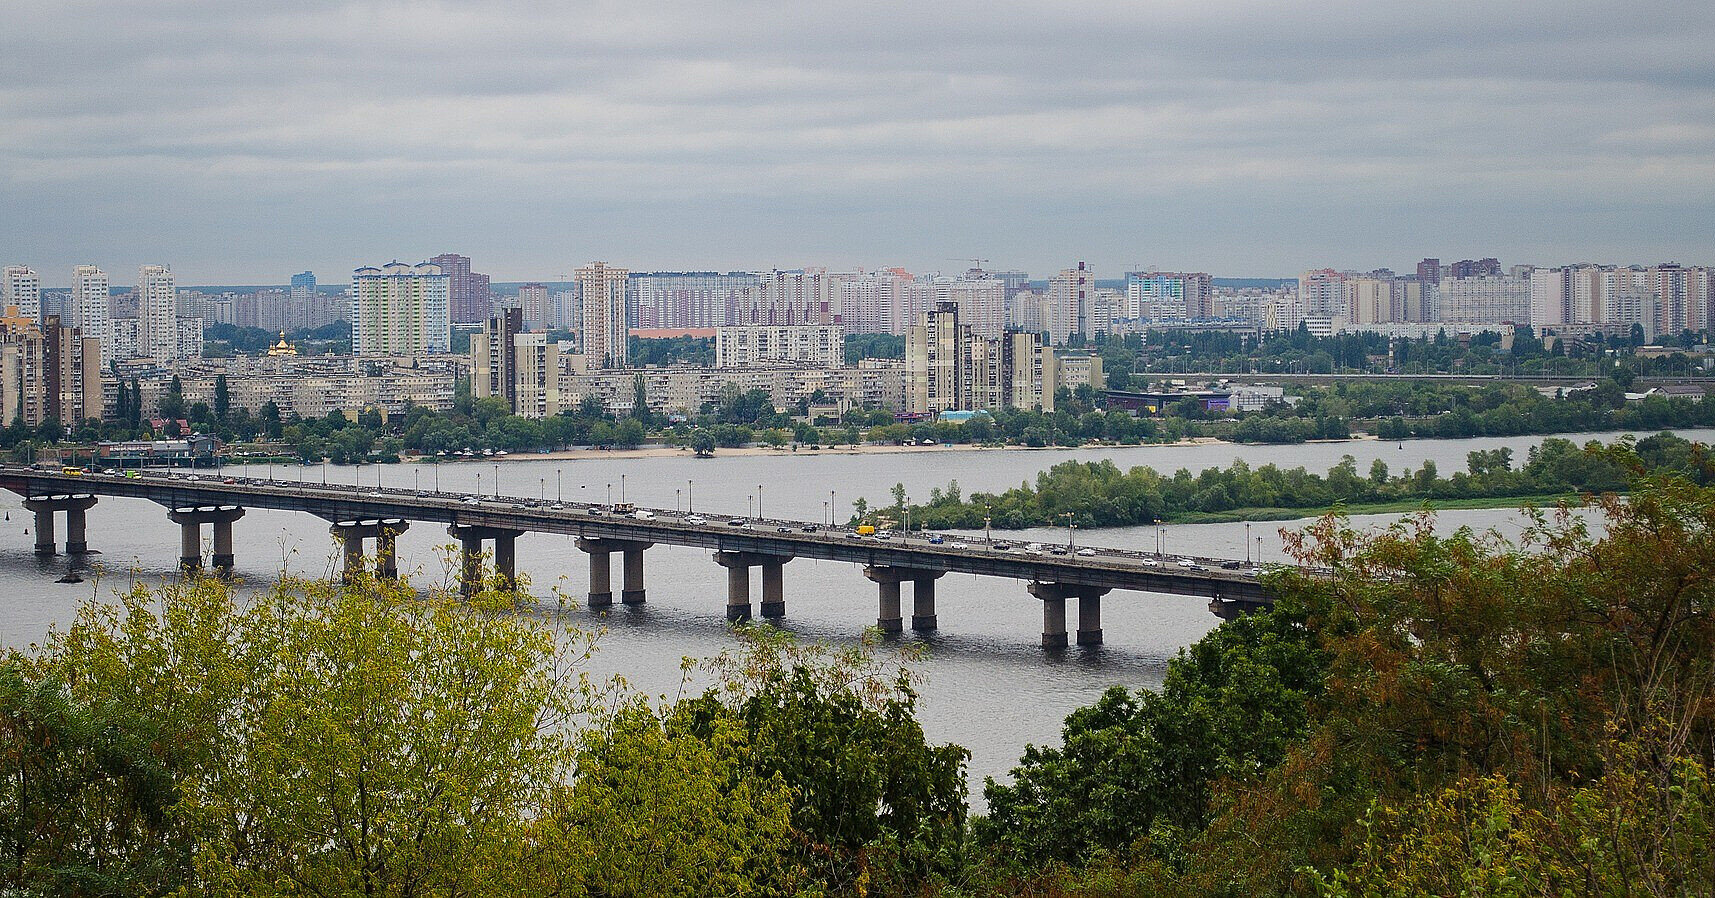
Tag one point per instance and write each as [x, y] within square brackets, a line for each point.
[1099, 494]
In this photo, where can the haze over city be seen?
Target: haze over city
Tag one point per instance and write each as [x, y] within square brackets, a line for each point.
[242, 143]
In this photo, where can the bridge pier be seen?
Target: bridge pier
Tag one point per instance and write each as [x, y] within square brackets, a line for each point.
[351, 534]
[601, 569]
[738, 565]
[888, 618]
[470, 537]
[1054, 596]
[190, 521]
[77, 539]
[1231, 609]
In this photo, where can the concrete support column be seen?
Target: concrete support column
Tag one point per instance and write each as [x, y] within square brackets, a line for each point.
[887, 618]
[1090, 616]
[738, 592]
[632, 560]
[923, 603]
[387, 548]
[351, 544]
[601, 578]
[773, 588]
[470, 567]
[737, 566]
[1053, 597]
[190, 545]
[506, 559]
[45, 531]
[77, 531]
[223, 555]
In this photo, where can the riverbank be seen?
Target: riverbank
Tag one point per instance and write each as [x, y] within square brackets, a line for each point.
[1403, 506]
[591, 453]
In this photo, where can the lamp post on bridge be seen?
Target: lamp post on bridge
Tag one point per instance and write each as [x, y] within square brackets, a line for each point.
[1158, 529]
[497, 482]
[1259, 550]
[559, 495]
[622, 489]
[688, 508]
[759, 500]
[1247, 542]
[988, 516]
[1070, 526]
[541, 489]
[610, 495]
[676, 494]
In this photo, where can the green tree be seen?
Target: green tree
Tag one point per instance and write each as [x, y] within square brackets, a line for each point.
[222, 398]
[702, 443]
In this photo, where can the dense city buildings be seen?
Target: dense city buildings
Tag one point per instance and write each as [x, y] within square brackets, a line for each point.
[310, 386]
[21, 289]
[48, 372]
[603, 324]
[468, 293]
[693, 299]
[818, 345]
[950, 368]
[798, 296]
[157, 314]
[1168, 296]
[880, 302]
[400, 309]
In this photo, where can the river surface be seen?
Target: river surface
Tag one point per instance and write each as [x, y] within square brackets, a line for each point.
[987, 684]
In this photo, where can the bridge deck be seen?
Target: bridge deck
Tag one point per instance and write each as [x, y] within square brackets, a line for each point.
[1091, 566]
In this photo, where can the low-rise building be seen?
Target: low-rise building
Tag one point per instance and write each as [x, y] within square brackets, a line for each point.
[821, 345]
[309, 386]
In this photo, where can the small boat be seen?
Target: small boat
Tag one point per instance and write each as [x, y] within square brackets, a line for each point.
[70, 577]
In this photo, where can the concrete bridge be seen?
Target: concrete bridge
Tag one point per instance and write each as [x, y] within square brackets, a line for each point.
[358, 515]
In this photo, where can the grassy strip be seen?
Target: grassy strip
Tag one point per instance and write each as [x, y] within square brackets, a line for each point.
[1238, 515]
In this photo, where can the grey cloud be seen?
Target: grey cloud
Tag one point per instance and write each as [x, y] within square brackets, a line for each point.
[1235, 134]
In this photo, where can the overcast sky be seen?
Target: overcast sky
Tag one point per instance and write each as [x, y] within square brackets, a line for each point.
[241, 142]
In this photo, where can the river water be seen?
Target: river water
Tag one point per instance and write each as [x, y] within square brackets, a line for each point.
[987, 683]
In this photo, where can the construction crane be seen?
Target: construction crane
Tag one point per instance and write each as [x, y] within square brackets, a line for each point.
[975, 263]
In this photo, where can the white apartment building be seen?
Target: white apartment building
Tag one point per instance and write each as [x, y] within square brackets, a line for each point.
[533, 302]
[1484, 300]
[400, 309]
[90, 310]
[310, 386]
[187, 338]
[879, 302]
[1168, 296]
[692, 299]
[1325, 293]
[536, 375]
[1069, 305]
[21, 289]
[157, 314]
[603, 322]
[820, 345]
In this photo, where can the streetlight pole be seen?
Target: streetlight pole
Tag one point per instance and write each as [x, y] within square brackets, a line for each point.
[437, 477]
[1158, 541]
[988, 515]
[610, 495]
[688, 508]
[1247, 542]
[541, 489]
[831, 507]
[676, 493]
[827, 514]
[1259, 550]
[622, 489]
[559, 495]
[497, 482]
[479, 484]
[415, 486]
[1071, 524]
[759, 500]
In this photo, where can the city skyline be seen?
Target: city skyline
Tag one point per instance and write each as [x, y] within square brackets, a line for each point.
[1225, 137]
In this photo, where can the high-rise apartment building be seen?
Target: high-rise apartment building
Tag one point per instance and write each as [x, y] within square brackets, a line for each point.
[602, 291]
[950, 368]
[816, 345]
[47, 371]
[675, 299]
[1429, 272]
[400, 309]
[536, 375]
[1325, 293]
[157, 313]
[533, 302]
[1475, 268]
[1168, 296]
[302, 298]
[89, 308]
[798, 296]
[1070, 304]
[879, 302]
[1484, 300]
[493, 363]
[21, 289]
[469, 294]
